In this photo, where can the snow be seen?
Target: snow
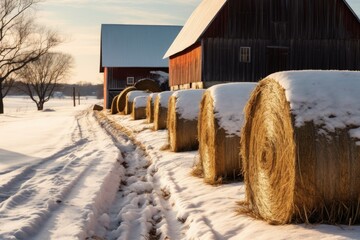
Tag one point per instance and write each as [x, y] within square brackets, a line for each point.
[229, 102]
[186, 98]
[164, 98]
[96, 182]
[133, 94]
[328, 98]
[140, 101]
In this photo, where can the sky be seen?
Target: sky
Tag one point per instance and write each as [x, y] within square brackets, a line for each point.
[79, 22]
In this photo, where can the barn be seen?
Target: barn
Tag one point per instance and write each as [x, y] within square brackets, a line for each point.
[244, 41]
[129, 53]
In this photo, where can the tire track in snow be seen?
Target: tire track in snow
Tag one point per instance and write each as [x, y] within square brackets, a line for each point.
[48, 183]
[141, 209]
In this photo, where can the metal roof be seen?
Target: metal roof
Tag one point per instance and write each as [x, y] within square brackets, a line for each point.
[135, 45]
[202, 17]
[195, 26]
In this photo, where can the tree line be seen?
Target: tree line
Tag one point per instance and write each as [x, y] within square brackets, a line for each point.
[26, 54]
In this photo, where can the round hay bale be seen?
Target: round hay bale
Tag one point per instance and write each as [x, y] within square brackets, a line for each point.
[114, 109]
[183, 112]
[300, 148]
[150, 107]
[121, 100]
[147, 85]
[139, 108]
[220, 121]
[161, 110]
[130, 99]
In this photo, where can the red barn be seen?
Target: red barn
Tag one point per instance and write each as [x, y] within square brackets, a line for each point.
[245, 40]
[129, 53]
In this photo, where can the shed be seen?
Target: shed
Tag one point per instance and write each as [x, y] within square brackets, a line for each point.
[129, 53]
[244, 41]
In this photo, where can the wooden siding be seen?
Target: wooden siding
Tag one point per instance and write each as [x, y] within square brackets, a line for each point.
[221, 57]
[284, 19]
[185, 67]
[117, 76]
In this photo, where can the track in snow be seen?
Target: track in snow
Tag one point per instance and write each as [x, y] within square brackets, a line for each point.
[56, 197]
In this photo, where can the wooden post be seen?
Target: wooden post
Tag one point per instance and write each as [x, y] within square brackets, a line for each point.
[74, 96]
[78, 97]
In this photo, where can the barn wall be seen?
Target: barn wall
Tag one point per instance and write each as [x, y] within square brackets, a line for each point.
[117, 76]
[222, 57]
[185, 67]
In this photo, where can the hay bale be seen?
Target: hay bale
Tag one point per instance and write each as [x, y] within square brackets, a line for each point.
[130, 99]
[147, 85]
[114, 109]
[150, 107]
[300, 148]
[161, 109]
[139, 108]
[121, 100]
[183, 112]
[220, 121]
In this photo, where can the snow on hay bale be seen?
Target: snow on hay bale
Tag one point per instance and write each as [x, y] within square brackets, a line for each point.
[300, 148]
[121, 100]
[161, 109]
[130, 99]
[182, 119]
[114, 109]
[147, 85]
[220, 120]
[139, 108]
[150, 107]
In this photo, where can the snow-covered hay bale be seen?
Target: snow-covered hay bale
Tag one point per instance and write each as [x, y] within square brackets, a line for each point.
[147, 85]
[121, 100]
[139, 108]
[300, 148]
[130, 99]
[150, 107]
[161, 109]
[220, 120]
[182, 119]
[114, 109]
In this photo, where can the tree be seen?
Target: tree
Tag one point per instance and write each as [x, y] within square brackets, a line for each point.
[39, 78]
[22, 41]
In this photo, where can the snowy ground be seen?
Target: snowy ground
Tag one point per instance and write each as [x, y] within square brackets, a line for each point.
[70, 173]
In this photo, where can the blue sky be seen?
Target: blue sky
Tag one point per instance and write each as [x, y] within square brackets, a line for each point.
[79, 22]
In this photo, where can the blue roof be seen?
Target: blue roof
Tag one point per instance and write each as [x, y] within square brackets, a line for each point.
[135, 45]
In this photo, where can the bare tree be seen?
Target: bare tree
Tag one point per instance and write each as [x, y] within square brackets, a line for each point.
[39, 78]
[22, 41]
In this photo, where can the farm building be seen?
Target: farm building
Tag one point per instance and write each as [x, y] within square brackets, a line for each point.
[244, 41]
[129, 53]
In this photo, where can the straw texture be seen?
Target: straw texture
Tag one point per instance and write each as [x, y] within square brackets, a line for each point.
[114, 109]
[147, 85]
[219, 151]
[139, 109]
[182, 120]
[296, 174]
[161, 110]
[150, 108]
[121, 100]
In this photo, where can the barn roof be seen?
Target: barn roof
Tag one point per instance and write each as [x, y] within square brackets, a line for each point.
[203, 16]
[135, 45]
[194, 27]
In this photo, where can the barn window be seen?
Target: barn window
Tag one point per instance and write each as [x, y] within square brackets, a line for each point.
[130, 80]
[245, 54]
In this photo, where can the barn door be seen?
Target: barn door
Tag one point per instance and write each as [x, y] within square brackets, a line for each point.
[277, 59]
